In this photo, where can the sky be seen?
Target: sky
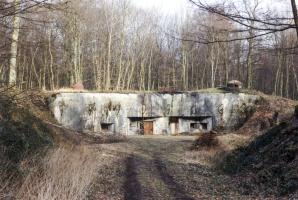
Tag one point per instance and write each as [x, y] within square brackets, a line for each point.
[178, 7]
[167, 7]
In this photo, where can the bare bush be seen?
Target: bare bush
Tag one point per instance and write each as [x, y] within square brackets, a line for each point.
[64, 174]
[206, 141]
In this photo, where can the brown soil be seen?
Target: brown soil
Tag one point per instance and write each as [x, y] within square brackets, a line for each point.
[164, 168]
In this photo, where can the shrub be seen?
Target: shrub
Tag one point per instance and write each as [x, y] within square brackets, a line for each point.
[206, 141]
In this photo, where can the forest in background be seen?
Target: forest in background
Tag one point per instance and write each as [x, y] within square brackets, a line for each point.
[111, 45]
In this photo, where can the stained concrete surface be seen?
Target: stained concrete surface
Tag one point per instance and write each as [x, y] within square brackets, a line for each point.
[118, 112]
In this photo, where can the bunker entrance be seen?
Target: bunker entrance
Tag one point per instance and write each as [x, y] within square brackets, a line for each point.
[148, 128]
[174, 125]
[142, 126]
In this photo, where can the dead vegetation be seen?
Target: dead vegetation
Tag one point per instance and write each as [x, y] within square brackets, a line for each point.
[206, 141]
[40, 159]
[22, 130]
[63, 174]
[262, 153]
[269, 111]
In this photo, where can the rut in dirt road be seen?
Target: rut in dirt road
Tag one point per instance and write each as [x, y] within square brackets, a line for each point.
[131, 185]
[161, 168]
[133, 188]
[175, 188]
[147, 175]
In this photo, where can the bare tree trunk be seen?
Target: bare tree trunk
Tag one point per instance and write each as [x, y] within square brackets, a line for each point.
[44, 71]
[133, 64]
[279, 57]
[120, 72]
[295, 15]
[226, 63]
[249, 62]
[149, 71]
[52, 82]
[287, 77]
[14, 44]
[108, 72]
[33, 54]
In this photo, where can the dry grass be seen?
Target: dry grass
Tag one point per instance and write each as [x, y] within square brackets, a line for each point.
[232, 141]
[63, 174]
[7, 180]
[7, 177]
[209, 149]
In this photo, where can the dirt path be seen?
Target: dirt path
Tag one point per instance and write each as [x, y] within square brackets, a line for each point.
[149, 165]
[157, 168]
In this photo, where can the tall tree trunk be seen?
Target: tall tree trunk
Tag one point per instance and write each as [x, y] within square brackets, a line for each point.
[108, 72]
[249, 62]
[52, 82]
[14, 44]
[295, 15]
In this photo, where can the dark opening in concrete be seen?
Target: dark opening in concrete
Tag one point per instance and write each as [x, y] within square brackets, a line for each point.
[106, 127]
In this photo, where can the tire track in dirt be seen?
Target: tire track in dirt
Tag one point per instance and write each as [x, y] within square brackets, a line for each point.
[131, 185]
[176, 190]
[153, 177]
[154, 168]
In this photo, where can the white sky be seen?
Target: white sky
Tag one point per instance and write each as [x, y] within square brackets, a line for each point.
[167, 7]
[171, 7]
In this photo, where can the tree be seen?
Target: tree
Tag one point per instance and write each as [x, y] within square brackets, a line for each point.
[12, 77]
[295, 14]
[263, 23]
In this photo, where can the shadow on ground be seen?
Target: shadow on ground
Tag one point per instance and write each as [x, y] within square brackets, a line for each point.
[271, 158]
[131, 185]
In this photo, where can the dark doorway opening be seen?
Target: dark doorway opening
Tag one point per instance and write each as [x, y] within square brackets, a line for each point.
[105, 127]
[204, 126]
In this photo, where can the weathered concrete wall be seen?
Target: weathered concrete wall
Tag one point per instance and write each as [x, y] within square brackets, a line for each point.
[87, 111]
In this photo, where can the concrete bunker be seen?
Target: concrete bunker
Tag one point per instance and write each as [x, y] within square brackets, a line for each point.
[151, 113]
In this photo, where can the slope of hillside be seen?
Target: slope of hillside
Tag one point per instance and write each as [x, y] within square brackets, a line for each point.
[262, 154]
[269, 158]
[269, 111]
[39, 159]
[22, 130]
